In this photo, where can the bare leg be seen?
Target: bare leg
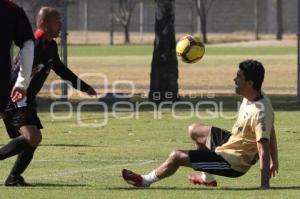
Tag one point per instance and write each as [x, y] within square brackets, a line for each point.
[174, 161]
[201, 135]
[166, 169]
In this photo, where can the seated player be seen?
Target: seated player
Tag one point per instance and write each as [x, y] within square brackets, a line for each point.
[220, 152]
[20, 118]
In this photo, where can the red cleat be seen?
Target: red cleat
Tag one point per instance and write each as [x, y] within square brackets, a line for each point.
[197, 179]
[132, 178]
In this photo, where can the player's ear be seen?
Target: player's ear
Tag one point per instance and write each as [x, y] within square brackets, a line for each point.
[250, 83]
[40, 24]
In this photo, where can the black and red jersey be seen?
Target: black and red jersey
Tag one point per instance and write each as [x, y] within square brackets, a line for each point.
[46, 58]
[15, 27]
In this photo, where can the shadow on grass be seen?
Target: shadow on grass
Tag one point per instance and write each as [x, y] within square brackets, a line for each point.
[50, 186]
[69, 145]
[58, 185]
[65, 145]
[226, 102]
[204, 188]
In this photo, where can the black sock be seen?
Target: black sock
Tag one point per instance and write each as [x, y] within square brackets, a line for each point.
[22, 162]
[14, 147]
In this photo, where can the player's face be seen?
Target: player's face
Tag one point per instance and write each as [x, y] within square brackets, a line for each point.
[240, 82]
[54, 26]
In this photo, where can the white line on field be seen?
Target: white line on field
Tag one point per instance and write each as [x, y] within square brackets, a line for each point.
[86, 160]
[66, 173]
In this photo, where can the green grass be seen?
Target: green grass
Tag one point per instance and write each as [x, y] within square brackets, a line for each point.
[83, 162]
[144, 50]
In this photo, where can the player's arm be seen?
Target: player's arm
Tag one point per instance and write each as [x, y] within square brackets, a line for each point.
[23, 80]
[66, 74]
[263, 147]
[274, 153]
[23, 37]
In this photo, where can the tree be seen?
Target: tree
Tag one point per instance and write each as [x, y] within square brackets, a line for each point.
[279, 20]
[256, 19]
[164, 67]
[203, 7]
[123, 15]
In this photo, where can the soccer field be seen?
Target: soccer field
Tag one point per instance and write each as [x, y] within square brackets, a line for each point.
[74, 161]
[214, 72]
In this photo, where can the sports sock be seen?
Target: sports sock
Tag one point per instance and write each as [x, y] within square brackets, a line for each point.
[22, 162]
[150, 178]
[14, 147]
[207, 177]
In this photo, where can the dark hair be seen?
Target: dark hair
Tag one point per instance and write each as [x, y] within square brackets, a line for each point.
[253, 70]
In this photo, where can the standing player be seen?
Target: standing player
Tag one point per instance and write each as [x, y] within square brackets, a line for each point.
[15, 27]
[222, 153]
[21, 120]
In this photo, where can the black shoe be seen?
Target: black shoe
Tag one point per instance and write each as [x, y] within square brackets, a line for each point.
[16, 181]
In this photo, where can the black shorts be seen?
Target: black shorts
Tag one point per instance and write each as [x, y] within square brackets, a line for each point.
[16, 118]
[218, 137]
[209, 161]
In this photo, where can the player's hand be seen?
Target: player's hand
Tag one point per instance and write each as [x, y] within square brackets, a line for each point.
[274, 168]
[17, 94]
[91, 91]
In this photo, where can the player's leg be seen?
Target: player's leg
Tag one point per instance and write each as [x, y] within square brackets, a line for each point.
[201, 135]
[33, 135]
[173, 162]
[166, 169]
[211, 162]
[22, 125]
[216, 137]
[16, 145]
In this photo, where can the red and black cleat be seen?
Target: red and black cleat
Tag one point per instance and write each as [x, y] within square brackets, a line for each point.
[132, 178]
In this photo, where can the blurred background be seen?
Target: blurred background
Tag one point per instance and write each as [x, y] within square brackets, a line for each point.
[115, 38]
[106, 21]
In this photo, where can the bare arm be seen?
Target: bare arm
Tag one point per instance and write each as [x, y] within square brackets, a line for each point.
[274, 153]
[263, 146]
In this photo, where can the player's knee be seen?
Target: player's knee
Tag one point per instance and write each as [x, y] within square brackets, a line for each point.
[193, 131]
[34, 140]
[174, 157]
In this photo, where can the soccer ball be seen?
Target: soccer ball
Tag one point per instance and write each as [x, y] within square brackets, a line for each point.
[190, 49]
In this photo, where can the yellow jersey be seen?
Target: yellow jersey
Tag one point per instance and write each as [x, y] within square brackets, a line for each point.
[254, 122]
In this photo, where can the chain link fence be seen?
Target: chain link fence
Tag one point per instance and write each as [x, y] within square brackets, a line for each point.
[92, 21]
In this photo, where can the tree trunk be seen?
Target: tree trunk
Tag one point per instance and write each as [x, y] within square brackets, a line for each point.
[203, 21]
[203, 30]
[126, 33]
[164, 67]
[256, 19]
[112, 25]
[279, 20]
